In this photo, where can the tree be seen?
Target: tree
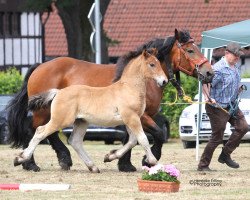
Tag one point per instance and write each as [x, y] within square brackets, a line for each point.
[73, 14]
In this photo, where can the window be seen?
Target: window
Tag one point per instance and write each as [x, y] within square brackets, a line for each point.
[10, 24]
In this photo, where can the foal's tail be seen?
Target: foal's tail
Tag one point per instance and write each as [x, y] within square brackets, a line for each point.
[42, 100]
[17, 113]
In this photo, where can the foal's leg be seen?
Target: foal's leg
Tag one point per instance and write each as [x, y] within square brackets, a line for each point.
[114, 154]
[76, 141]
[124, 163]
[29, 164]
[42, 117]
[151, 127]
[135, 129]
[41, 133]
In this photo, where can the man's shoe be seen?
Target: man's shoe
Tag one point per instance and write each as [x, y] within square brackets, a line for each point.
[204, 169]
[223, 158]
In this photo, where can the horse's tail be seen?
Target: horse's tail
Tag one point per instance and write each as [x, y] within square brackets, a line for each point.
[17, 113]
[42, 100]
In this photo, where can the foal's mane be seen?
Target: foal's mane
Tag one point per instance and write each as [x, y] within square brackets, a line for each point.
[163, 46]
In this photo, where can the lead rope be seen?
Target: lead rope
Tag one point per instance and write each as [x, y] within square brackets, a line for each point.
[189, 100]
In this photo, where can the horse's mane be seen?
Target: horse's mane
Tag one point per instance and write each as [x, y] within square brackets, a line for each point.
[163, 46]
[184, 36]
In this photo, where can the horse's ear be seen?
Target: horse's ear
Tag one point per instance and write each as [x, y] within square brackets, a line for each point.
[154, 51]
[145, 53]
[176, 34]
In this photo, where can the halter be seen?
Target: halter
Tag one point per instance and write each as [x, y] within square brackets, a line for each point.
[196, 62]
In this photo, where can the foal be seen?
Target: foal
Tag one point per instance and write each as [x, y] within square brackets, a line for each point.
[123, 102]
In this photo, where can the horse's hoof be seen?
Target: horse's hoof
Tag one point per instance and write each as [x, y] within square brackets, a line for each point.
[64, 166]
[65, 161]
[30, 166]
[126, 168]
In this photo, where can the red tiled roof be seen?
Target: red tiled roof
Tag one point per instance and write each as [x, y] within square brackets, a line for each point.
[133, 23]
[55, 37]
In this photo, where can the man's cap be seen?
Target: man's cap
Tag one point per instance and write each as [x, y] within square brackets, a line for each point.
[235, 49]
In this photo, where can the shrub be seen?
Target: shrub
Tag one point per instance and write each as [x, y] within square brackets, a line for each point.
[172, 112]
[10, 81]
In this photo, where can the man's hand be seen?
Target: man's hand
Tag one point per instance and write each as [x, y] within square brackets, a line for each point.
[210, 100]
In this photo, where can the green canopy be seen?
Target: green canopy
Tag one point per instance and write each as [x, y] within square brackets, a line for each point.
[238, 32]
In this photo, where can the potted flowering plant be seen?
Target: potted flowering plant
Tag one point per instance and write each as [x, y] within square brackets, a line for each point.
[159, 178]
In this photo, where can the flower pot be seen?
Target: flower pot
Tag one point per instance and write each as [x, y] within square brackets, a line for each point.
[157, 186]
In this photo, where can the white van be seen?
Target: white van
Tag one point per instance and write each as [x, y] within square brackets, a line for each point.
[188, 121]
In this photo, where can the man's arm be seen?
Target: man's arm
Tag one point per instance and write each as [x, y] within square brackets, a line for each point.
[206, 93]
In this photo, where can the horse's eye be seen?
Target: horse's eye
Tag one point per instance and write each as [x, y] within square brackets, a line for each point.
[190, 51]
[152, 64]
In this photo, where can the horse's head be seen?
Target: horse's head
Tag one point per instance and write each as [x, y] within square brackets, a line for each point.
[185, 56]
[152, 67]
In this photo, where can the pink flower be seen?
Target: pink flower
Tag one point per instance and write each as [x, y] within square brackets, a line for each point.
[172, 170]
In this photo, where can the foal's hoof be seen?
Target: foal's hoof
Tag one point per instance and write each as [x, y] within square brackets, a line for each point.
[110, 156]
[94, 169]
[146, 163]
[106, 158]
[30, 166]
[126, 167]
[17, 162]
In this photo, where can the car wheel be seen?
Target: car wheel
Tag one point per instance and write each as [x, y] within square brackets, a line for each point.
[188, 144]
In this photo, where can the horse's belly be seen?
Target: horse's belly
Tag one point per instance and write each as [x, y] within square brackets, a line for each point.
[102, 119]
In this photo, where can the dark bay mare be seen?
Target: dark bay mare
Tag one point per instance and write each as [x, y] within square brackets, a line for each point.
[176, 53]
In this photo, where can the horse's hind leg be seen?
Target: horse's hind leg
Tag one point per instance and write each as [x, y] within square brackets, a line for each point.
[61, 150]
[76, 141]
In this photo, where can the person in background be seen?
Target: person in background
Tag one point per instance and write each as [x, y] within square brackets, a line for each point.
[221, 107]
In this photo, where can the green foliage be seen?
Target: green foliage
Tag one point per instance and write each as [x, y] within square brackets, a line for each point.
[172, 112]
[245, 75]
[10, 81]
[41, 5]
[160, 176]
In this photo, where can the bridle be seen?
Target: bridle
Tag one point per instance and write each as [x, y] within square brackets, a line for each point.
[197, 63]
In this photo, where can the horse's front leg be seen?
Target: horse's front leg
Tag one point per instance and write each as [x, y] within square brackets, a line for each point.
[151, 127]
[63, 154]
